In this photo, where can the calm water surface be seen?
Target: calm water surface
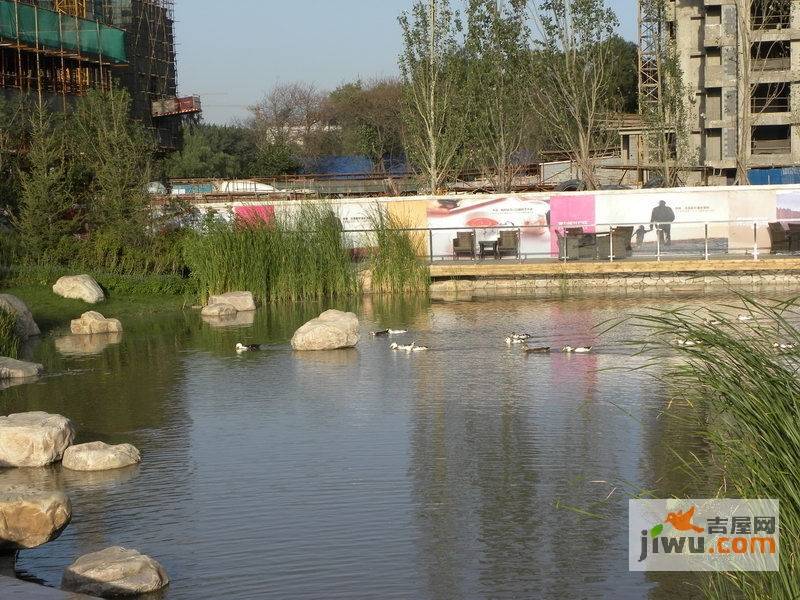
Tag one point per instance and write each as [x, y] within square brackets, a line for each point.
[470, 471]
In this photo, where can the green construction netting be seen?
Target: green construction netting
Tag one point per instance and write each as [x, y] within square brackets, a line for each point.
[57, 31]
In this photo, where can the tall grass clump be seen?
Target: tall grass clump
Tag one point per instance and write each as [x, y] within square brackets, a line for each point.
[751, 390]
[396, 253]
[295, 257]
[9, 341]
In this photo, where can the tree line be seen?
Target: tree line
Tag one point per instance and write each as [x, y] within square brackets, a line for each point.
[487, 88]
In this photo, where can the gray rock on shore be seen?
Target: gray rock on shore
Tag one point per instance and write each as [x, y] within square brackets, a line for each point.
[93, 322]
[79, 287]
[114, 572]
[34, 439]
[241, 301]
[332, 330]
[30, 517]
[26, 327]
[11, 368]
[99, 456]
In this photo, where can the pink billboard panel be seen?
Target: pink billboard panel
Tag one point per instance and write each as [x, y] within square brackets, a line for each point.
[255, 215]
[570, 211]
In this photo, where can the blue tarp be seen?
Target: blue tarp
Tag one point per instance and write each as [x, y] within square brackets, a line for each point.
[350, 165]
[784, 176]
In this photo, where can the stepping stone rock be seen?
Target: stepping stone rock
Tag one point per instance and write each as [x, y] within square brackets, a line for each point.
[93, 322]
[333, 329]
[220, 309]
[79, 287]
[34, 439]
[11, 368]
[114, 572]
[26, 326]
[30, 517]
[241, 301]
[99, 456]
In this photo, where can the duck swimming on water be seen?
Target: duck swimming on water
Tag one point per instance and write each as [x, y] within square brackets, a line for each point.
[396, 331]
[537, 350]
[576, 350]
[247, 348]
[406, 348]
[380, 332]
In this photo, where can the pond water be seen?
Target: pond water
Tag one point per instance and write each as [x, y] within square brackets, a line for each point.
[469, 471]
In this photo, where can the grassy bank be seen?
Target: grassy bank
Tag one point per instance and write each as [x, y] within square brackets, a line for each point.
[752, 391]
[9, 343]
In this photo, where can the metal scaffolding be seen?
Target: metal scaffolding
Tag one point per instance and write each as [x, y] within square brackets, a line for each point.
[652, 43]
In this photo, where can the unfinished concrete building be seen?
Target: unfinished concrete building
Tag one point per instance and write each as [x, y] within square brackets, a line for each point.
[60, 49]
[740, 62]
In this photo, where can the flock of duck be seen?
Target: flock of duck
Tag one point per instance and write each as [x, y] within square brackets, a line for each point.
[523, 340]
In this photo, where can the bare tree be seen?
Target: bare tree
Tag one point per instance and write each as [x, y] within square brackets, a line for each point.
[574, 92]
[758, 55]
[665, 111]
[434, 115]
[498, 81]
[288, 114]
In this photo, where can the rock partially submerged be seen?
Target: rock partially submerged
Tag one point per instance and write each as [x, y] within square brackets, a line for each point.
[79, 287]
[93, 322]
[241, 301]
[11, 368]
[99, 456]
[26, 327]
[34, 439]
[332, 330]
[114, 572]
[30, 517]
[219, 309]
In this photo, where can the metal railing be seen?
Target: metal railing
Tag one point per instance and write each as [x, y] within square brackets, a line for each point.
[658, 241]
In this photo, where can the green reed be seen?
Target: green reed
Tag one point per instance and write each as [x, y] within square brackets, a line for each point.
[9, 342]
[299, 256]
[395, 257]
[751, 391]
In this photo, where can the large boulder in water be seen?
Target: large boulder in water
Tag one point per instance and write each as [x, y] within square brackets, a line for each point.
[26, 327]
[93, 322]
[99, 456]
[79, 287]
[241, 301]
[331, 330]
[11, 368]
[34, 439]
[30, 517]
[114, 572]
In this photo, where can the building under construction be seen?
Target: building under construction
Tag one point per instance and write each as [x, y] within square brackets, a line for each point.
[740, 63]
[60, 49]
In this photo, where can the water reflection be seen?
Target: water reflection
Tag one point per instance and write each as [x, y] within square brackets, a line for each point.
[472, 470]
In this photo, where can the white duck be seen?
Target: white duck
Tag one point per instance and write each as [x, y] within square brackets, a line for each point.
[247, 348]
[576, 350]
[415, 348]
[397, 331]
[406, 348]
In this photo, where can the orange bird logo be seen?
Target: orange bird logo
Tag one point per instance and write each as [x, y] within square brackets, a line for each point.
[682, 521]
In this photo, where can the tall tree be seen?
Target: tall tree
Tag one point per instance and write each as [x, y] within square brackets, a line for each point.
[434, 114]
[368, 119]
[46, 211]
[499, 80]
[117, 154]
[574, 92]
[666, 112]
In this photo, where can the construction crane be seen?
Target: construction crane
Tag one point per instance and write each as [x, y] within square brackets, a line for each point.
[652, 45]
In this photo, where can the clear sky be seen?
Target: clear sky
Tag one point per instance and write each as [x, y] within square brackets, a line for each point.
[232, 52]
